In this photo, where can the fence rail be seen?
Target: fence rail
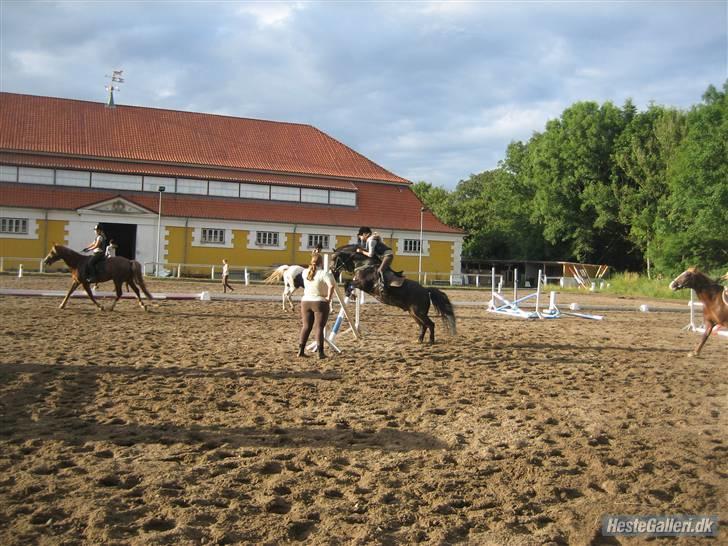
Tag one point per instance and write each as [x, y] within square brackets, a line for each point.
[256, 274]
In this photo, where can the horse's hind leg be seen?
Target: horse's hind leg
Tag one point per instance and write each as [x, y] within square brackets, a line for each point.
[424, 323]
[70, 291]
[136, 291]
[709, 325]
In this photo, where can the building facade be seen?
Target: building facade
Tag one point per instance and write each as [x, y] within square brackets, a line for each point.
[186, 188]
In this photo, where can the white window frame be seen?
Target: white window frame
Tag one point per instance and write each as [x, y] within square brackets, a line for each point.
[267, 238]
[212, 236]
[314, 238]
[14, 226]
[414, 245]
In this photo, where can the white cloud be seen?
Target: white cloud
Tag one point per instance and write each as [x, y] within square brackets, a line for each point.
[269, 14]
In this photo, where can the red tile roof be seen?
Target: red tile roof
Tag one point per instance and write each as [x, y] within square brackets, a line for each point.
[58, 133]
[48, 125]
[381, 206]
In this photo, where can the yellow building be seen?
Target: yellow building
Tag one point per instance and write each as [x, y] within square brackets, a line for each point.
[176, 187]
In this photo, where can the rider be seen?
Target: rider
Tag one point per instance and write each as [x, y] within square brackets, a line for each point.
[99, 250]
[371, 246]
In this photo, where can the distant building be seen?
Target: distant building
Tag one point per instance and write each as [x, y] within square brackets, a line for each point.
[258, 193]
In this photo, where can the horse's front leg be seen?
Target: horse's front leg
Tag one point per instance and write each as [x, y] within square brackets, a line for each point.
[709, 325]
[118, 295]
[74, 285]
[87, 288]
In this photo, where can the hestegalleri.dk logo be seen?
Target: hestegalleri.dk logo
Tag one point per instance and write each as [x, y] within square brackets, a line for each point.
[660, 526]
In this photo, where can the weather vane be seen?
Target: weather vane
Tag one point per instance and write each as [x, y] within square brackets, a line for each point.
[116, 77]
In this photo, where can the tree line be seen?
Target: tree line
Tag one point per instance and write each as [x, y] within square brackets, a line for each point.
[639, 191]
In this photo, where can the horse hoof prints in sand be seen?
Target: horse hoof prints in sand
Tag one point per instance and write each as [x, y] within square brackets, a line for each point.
[411, 296]
[713, 297]
[117, 269]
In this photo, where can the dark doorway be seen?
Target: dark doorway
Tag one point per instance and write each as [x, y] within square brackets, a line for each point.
[124, 235]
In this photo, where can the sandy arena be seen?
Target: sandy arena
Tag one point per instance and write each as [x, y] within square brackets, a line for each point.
[194, 423]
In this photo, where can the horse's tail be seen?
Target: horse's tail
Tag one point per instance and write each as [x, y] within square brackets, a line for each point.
[136, 270]
[444, 307]
[276, 276]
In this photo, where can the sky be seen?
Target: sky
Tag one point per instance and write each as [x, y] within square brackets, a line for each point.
[432, 91]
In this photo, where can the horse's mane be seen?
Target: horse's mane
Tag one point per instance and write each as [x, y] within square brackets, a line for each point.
[702, 277]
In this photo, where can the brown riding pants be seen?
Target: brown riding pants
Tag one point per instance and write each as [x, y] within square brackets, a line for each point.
[313, 314]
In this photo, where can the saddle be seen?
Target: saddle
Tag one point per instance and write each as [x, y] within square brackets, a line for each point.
[392, 278]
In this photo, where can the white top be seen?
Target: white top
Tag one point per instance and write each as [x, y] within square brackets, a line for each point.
[224, 270]
[318, 288]
[110, 251]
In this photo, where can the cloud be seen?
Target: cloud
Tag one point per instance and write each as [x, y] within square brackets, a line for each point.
[429, 90]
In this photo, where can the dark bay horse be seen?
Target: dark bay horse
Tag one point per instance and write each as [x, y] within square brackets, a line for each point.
[712, 296]
[411, 296]
[117, 269]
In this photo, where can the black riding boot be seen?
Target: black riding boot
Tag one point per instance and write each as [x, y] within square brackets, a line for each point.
[321, 353]
[301, 351]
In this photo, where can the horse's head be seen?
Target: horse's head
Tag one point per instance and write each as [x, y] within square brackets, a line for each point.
[53, 256]
[690, 278]
[344, 259]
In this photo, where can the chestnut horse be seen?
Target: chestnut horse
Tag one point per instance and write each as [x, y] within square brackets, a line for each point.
[118, 269]
[713, 298]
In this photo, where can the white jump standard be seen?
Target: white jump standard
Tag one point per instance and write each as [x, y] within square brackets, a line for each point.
[501, 305]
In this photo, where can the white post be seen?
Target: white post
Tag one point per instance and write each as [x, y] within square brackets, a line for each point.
[212, 274]
[538, 293]
[179, 270]
[419, 261]
[20, 270]
[160, 189]
[515, 284]
[40, 268]
[247, 277]
[2, 264]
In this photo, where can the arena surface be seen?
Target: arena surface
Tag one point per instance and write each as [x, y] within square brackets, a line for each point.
[195, 424]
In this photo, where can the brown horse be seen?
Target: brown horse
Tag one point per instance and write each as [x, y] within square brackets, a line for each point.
[713, 298]
[118, 269]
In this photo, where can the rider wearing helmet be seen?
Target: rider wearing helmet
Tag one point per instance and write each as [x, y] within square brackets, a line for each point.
[372, 246]
[98, 246]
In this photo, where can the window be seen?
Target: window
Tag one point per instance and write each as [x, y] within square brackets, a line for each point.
[314, 240]
[213, 236]
[266, 238]
[285, 193]
[8, 173]
[190, 185]
[14, 225]
[254, 191]
[347, 198]
[412, 246]
[224, 189]
[73, 178]
[314, 196]
[152, 183]
[31, 175]
[116, 181]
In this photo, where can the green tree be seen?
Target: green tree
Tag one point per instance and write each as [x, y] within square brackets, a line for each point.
[642, 155]
[570, 169]
[692, 225]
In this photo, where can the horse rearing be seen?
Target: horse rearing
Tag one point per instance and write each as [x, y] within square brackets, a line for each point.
[411, 296]
[711, 295]
[118, 269]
